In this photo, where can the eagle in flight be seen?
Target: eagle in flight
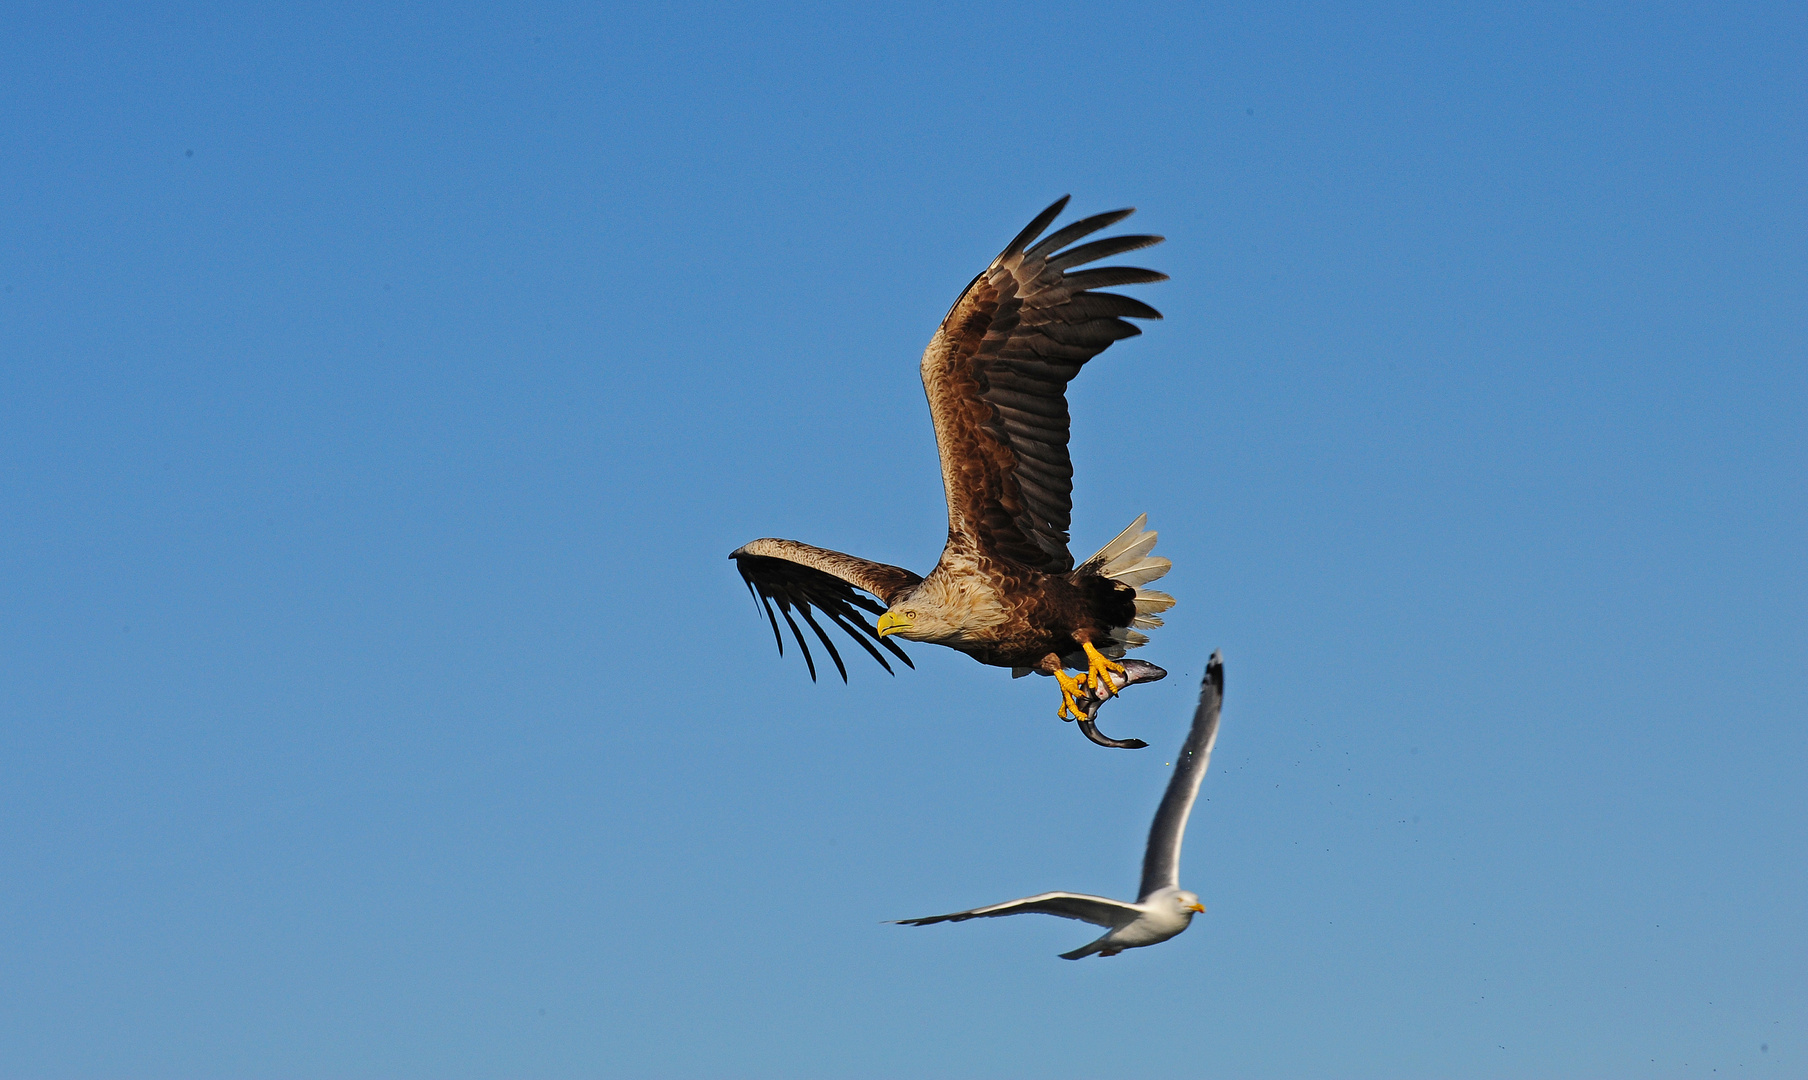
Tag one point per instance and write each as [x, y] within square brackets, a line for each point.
[1006, 591]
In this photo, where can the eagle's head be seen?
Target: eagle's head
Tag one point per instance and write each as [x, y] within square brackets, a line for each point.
[944, 609]
[914, 620]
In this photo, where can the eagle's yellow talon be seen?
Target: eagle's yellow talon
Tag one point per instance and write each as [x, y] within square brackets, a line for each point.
[1099, 670]
[1071, 688]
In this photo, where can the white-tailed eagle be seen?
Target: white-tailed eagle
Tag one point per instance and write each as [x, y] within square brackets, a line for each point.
[1006, 591]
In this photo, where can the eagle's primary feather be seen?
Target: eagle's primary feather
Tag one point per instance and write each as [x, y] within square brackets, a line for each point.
[1006, 590]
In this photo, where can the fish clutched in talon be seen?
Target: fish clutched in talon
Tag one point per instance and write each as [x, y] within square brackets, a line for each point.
[1134, 671]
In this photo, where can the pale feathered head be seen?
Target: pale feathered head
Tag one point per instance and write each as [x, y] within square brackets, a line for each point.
[915, 619]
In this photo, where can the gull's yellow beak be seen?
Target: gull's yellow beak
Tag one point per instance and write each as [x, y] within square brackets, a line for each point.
[1196, 907]
[891, 622]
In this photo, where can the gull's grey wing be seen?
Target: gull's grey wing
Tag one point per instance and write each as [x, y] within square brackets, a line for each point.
[1161, 861]
[1098, 910]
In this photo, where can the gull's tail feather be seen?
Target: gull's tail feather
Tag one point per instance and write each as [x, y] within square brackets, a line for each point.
[1086, 950]
[1127, 561]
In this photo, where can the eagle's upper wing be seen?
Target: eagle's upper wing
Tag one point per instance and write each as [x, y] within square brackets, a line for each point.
[997, 371]
[798, 575]
[1098, 910]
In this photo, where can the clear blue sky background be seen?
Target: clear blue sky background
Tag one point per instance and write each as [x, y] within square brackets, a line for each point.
[383, 387]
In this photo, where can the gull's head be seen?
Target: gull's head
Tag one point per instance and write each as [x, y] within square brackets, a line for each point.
[1188, 902]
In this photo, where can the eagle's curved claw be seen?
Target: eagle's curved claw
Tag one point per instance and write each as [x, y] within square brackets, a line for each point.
[1099, 671]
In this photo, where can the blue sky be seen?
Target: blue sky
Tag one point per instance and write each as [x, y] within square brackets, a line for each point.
[381, 389]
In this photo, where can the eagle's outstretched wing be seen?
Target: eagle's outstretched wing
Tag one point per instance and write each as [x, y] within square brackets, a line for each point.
[799, 576]
[1098, 910]
[997, 371]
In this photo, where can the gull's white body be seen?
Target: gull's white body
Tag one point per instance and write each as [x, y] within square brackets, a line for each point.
[1160, 917]
[1164, 908]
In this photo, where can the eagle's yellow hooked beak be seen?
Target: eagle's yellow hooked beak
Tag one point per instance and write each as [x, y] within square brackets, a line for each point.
[891, 622]
[1196, 907]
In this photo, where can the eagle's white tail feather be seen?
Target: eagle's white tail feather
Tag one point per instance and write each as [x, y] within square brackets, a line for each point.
[1128, 554]
[1134, 553]
[1143, 571]
[1127, 560]
[1122, 541]
[1149, 601]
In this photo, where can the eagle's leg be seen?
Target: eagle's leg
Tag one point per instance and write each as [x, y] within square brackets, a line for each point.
[1071, 688]
[1100, 669]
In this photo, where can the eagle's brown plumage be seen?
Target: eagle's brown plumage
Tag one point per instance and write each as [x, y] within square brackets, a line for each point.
[996, 374]
[1006, 590]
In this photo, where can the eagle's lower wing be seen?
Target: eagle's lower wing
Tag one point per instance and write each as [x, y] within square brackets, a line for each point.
[1098, 910]
[799, 576]
[997, 371]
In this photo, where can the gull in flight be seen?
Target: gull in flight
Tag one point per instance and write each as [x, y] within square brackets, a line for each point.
[1164, 909]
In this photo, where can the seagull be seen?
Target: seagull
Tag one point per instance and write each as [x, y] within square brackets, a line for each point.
[1164, 909]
